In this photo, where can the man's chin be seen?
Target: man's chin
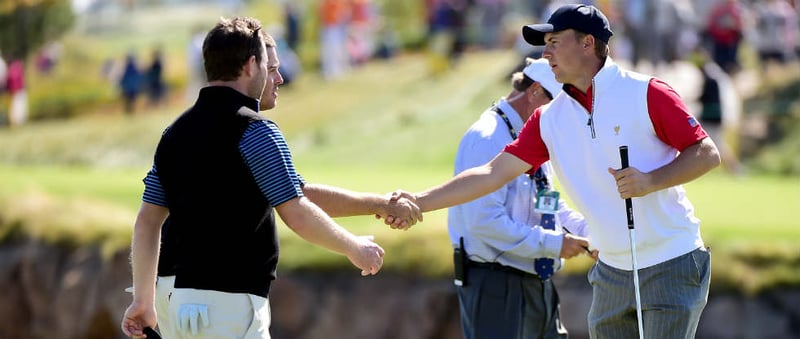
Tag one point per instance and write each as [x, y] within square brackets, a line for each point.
[267, 106]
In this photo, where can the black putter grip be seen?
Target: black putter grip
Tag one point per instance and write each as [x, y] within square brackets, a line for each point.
[623, 155]
[151, 333]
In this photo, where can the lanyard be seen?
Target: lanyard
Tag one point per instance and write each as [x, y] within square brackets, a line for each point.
[508, 122]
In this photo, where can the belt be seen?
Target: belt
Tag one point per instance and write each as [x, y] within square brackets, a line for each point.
[498, 267]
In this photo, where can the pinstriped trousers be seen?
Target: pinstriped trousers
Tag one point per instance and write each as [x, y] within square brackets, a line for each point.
[673, 295]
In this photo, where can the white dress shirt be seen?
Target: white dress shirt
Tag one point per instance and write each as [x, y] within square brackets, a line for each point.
[502, 227]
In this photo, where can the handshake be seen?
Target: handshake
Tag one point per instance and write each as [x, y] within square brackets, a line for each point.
[400, 210]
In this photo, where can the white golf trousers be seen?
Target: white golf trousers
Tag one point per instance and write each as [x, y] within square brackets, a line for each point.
[229, 315]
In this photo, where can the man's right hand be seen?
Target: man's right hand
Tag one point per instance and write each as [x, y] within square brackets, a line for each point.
[401, 212]
[367, 255]
[136, 318]
[397, 221]
[573, 245]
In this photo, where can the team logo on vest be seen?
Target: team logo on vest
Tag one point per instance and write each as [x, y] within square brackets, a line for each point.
[616, 130]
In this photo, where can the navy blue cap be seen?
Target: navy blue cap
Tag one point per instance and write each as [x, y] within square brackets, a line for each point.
[582, 18]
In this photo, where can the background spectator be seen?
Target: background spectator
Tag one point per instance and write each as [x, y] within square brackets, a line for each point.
[15, 84]
[130, 83]
[48, 57]
[361, 31]
[491, 13]
[776, 31]
[290, 66]
[194, 60]
[446, 33]
[719, 107]
[292, 22]
[334, 15]
[154, 79]
[725, 29]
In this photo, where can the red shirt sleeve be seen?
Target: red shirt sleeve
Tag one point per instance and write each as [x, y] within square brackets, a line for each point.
[673, 123]
[529, 146]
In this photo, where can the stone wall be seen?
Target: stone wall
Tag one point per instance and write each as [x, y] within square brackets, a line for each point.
[51, 292]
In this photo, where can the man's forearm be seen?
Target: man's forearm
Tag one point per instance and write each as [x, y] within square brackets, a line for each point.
[472, 183]
[690, 164]
[312, 224]
[144, 250]
[339, 202]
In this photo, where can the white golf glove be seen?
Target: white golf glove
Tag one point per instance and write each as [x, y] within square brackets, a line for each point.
[191, 316]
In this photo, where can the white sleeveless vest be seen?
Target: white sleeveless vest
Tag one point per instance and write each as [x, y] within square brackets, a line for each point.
[581, 151]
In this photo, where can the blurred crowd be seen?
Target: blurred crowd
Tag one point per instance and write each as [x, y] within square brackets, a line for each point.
[135, 79]
[656, 32]
[351, 32]
[660, 32]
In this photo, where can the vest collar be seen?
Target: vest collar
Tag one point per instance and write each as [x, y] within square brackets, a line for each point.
[605, 75]
[225, 98]
[609, 71]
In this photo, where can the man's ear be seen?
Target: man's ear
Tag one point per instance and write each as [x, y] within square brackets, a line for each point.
[251, 66]
[532, 91]
[588, 41]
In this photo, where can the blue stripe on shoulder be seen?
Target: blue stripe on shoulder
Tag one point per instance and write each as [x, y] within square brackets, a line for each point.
[267, 154]
[153, 191]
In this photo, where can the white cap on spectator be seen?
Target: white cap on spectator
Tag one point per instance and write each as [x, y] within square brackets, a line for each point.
[539, 71]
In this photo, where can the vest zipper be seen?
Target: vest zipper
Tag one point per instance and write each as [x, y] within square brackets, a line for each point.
[591, 113]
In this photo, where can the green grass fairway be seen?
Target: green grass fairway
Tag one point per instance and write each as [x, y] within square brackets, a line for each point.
[749, 209]
[747, 232]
